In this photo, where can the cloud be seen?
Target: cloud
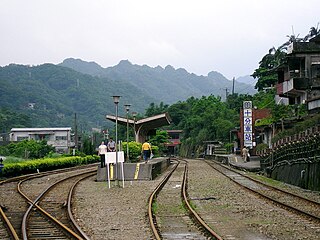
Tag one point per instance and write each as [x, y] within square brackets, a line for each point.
[228, 36]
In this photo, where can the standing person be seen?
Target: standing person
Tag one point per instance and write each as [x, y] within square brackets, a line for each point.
[245, 153]
[146, 151]
[102, 153]
[111, 145]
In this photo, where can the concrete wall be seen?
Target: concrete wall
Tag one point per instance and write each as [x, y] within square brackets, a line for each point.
[136, 171]
[304, 175]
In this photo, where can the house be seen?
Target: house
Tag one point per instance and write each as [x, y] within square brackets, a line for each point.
[299, 75]
[214, 147]
[59, 138]
[174, 141]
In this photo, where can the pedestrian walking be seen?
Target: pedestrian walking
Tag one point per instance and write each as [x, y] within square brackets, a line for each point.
[245, 153]
[146, 151]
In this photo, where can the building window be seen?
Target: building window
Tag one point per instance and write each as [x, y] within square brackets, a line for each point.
[40, 137]
[22, 138]
[59, 138]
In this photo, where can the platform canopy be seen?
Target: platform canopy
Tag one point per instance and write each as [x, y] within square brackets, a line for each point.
[143, 126]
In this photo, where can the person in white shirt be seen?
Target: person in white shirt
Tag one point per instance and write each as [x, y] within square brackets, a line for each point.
[245, 153]
[102, 153]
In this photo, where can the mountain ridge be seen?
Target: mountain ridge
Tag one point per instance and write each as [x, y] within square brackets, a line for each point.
[166, 84]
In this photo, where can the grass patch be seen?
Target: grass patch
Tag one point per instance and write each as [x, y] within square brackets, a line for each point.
[11, 159]
[267, 180]
[172, 209]
[155, 207]
[193, 205]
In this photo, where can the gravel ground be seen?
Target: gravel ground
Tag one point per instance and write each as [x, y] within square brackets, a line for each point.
[121, 213]
[237, 214]
[115, 213]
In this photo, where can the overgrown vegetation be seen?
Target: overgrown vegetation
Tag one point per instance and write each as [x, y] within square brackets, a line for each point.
[28, 149]
[10, 119]
[298, 127]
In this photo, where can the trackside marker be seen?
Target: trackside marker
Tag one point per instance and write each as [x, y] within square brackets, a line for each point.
[136, 173]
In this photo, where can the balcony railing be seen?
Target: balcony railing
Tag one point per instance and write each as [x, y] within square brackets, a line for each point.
[293, 86]
[295, 74]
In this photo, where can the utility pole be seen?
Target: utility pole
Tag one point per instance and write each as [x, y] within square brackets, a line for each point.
[75, 131]
[233, 85]
[226, 93]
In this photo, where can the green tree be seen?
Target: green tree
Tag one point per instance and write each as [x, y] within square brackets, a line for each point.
[266, 73]
[88, 148]
[29, 149]
[10, 119]
[159, 140]
[235, 101]
[154, 109]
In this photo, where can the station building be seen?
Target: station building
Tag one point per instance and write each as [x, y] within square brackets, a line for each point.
[174, 141]
[59, 138]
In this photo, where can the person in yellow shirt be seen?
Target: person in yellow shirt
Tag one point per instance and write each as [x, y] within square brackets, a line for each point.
[146, 151]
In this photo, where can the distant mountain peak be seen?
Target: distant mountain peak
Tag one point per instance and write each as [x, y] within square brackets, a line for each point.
[214, 74]
[79, 65]
[79, 61]
[124, 63]
[169, 68]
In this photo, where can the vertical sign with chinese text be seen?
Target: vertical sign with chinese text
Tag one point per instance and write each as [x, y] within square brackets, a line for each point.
[247, 123]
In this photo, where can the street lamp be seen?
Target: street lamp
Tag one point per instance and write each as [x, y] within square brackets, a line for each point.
[127, 106]
[116, 102]
[134, 114]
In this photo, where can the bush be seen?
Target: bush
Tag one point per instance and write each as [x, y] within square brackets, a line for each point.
[298, 127]
[45, 164]
[27, 149]
[135, 150]
[261, 147]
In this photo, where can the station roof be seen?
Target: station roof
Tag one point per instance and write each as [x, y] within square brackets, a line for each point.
[149, 122]
[145, 125]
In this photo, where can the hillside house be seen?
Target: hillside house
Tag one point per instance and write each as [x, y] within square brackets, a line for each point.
[299, 75]
[174, 141]
[59, 138]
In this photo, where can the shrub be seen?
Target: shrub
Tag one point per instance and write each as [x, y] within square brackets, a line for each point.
[27, 149]
[135, 150]
[261, 146]
[45, 164]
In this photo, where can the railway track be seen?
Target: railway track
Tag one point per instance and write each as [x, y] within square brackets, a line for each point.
[174, 217]
[46, 216]
[290, 201]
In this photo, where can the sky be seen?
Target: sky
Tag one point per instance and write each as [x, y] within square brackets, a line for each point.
[228, 36]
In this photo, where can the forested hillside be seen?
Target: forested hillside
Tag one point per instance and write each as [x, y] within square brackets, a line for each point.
[50, 95]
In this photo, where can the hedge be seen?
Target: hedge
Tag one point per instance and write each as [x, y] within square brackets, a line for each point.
[45, 164]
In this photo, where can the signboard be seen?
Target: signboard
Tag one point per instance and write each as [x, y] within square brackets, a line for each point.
[247, 124]
[111, 157]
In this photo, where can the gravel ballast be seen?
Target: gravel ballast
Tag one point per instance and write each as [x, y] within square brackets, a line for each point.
[121, 213]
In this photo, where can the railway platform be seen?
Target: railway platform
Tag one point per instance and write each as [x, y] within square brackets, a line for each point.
[136, 171]
[253, 165]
